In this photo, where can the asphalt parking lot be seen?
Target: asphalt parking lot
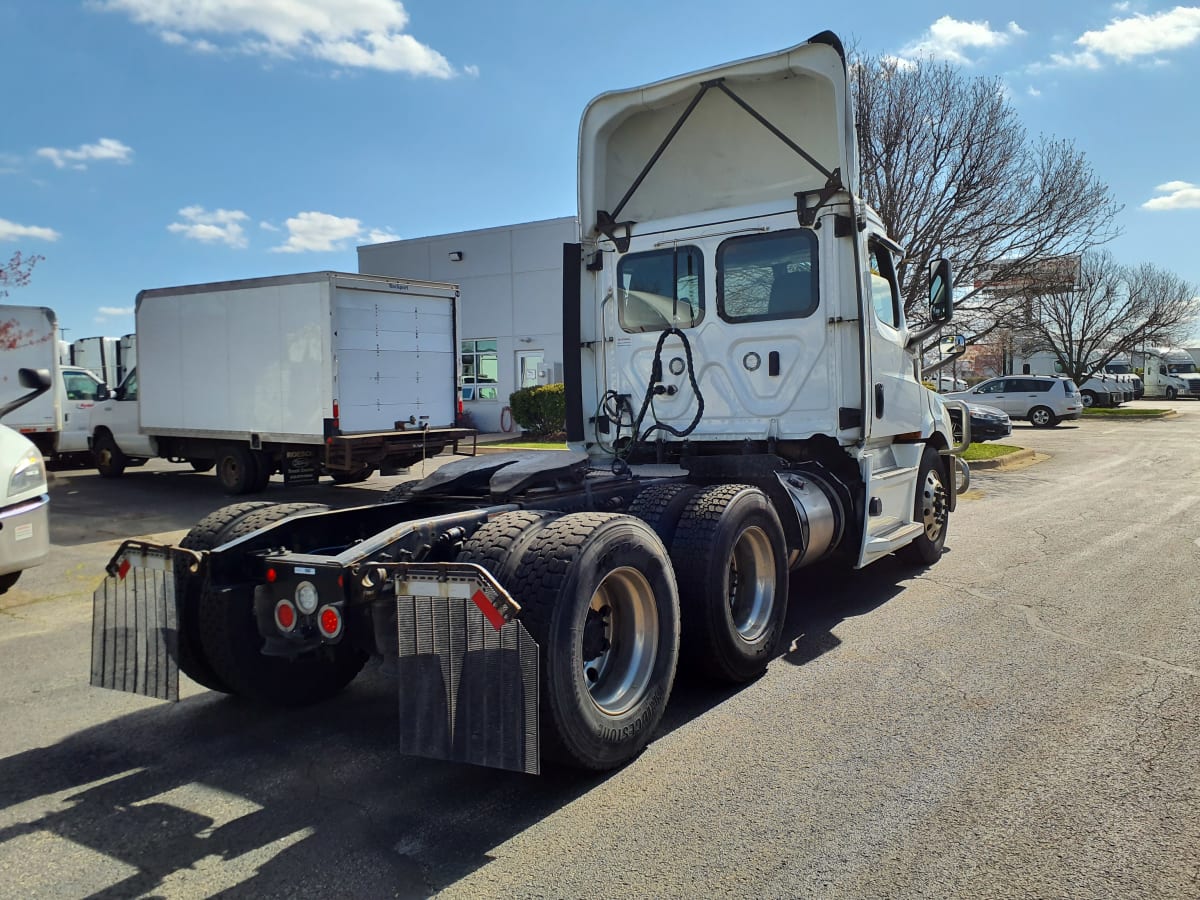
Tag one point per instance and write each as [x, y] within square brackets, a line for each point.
[1018, 721]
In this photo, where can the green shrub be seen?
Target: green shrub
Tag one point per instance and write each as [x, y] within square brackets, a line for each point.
[541, 409]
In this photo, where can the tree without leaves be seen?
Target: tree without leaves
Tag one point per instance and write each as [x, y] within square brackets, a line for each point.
[1113, 310]
[952, 172]
[17, 272]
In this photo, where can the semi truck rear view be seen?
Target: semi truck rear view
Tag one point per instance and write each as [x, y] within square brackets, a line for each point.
[321, 373]
[742, 402]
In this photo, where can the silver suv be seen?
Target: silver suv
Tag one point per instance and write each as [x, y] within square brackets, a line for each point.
[1044, 400]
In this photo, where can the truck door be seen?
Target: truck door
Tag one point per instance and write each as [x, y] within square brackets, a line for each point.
[119, 414]
[79, 396]
[895, 396]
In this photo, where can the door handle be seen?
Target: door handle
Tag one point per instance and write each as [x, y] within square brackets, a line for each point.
[879, 401]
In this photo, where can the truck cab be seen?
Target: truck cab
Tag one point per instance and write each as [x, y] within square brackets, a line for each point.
[113, 430]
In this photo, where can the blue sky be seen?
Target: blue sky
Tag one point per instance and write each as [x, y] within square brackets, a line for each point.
[149, 143]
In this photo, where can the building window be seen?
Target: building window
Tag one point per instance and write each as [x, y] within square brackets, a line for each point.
[480, 370]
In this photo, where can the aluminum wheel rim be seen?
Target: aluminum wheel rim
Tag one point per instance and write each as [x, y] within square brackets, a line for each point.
[1040, 417]
[622, 619]
[752, 584]
[933, 505]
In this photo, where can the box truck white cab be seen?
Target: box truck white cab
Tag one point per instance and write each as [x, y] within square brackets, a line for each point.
[743, 400]
[24, 524]
[56, 420]
[307, 374]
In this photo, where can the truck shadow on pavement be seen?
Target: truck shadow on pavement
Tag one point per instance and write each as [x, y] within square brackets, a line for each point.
[216, 797]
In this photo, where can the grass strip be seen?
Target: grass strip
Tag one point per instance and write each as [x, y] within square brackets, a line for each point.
[1119, 413]
[976, 452]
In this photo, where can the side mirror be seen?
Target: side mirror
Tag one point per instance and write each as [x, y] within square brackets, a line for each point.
[941, 301]
[34, 379]
[103, 393]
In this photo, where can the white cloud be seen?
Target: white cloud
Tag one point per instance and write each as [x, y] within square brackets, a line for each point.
[1033, 92]
[950, 38]
[267, 226]
[312, 232]
[354, 33]
[1134, 38]
[11, 231]
[1176, 195]
[381, 236]
[218, 226]
[116, 310]
[107, 149]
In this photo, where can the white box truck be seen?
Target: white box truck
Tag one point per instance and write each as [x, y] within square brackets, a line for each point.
[306, 374]
[100, 355]
[56, 420]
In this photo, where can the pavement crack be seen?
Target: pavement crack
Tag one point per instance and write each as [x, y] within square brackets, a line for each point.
[1031, 617]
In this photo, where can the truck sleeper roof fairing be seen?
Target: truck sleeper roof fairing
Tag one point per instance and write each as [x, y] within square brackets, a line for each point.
[680, 146]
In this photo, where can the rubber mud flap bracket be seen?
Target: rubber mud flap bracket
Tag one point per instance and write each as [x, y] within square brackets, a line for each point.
[467, 673]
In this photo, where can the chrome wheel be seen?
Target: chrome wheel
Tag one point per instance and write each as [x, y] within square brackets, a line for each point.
[1040, 417]
[934, 509]
[751, 584]
[620, 641]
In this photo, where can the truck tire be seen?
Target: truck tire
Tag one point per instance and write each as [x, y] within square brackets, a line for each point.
[660, 507]
[201, 465]
[499, 545]
[1172, 393]
[1088, 399]
[264, 468]
[110, 460]
[353, 477]
[730, 556]
[396, 492]
[932, 509]
[231, 643]
[267, 514]
[1042, 417]
[599, 597]
[237, 470]
[7, 581]
[205, 535]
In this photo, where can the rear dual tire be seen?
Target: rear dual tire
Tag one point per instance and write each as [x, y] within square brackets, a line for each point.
[599, 597]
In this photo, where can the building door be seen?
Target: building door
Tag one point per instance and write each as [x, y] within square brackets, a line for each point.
[530, 367]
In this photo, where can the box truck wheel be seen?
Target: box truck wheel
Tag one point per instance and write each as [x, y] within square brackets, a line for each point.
[110, 461]
[201, 465]
[599, 597]
[932, 510]
[264, 468]
[360, 474]
[730, 556]
[237, 470]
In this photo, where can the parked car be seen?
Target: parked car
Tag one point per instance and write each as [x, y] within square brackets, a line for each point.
[987, 423]
[1044, 400]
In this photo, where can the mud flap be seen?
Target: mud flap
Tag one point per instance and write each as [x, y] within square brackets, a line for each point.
[468, 669]
[135, 623]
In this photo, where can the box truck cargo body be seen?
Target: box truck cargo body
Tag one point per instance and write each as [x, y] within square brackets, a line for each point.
[57, 419]
[100, 355]
[324, 371]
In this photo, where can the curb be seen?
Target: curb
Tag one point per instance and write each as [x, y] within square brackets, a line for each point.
[1000, 461]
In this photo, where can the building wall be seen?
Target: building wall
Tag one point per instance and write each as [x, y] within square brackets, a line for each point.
[510, 280]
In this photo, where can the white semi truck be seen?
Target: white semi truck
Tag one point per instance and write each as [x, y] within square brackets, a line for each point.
[1169, 372]
[743, 402]
[320, 373]
[56, 420]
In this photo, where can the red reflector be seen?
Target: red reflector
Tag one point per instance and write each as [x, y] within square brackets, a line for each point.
[335, 412]
[123, 569]
[485, 606]
[330, 621]
[285, 615]
[271, 576]
[341, 581]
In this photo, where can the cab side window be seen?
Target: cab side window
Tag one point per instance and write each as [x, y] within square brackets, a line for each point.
[885, 289]
[80, 386]
[129, 388]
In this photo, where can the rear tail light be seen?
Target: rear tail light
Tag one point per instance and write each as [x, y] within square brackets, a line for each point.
[285, 616]
[329, 620]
